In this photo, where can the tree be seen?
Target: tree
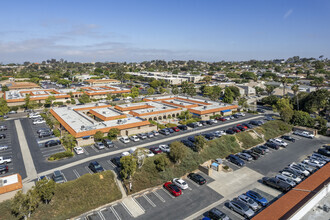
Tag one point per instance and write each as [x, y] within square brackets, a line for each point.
[4, 88]
[49, 100]
[285, 109]
[150, 91]
[46, 189]
[128, 166]
[120, 75]
[259, 90]
[4, 109]
[19, 205]
[235, 91]
[161, 162]
[33, 200]
[302, 118]
[155, 84]
[248, 75]
[270, 89]
[216, 93]
[295, 89]
[113, 133]
[175, 90]
[135, 92]
[270, 100]
[243, 102]
[284, 80]
[200, 143]
[278, 69]
[228, 96]
[207, 79]
[84, 98]
[207, 91]
[162, 90]
[98, 135]
[185, 115]
[318, 65]
[69, 141]
[178, 151]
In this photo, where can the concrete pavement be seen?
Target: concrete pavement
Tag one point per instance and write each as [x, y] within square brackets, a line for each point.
[144, 145]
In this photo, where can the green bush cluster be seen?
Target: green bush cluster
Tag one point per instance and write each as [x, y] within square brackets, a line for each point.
[60, 155]
[57, 133]
[192, 120]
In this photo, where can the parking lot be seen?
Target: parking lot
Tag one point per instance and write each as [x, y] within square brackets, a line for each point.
[13, 151]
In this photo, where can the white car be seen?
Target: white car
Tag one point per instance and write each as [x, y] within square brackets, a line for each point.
[78, 150]
[34, 115]
[180, 183]
[164, 148]
[214, 121]
[38, 122]
[124, 154]
[149, 153]
[292, 176]
[3, 147]
[298, 169]
[240, 114]
[279, 142]
[124, 139]
[313, 163]
[155, 133]
[304, 134]
[219, 133]
[134, 138]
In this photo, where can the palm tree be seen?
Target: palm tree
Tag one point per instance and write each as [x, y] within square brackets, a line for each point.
[284, 81]
[295, 89]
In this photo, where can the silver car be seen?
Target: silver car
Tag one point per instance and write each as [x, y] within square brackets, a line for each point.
[285, 179]
[244, 156]
[241, 208]
[99, 145]
[250, 202]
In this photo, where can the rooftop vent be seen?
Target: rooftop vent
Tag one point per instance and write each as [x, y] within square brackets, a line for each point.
[205, 107]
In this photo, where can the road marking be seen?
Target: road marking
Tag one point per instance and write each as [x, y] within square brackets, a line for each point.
[234, 213]
[168, 193]
[76, 173]
[96, 150]
[125, 207]
[149, 200]
[85, 151]
[138, 204]
[109, 162]
[193, 182]
[101, 215]
[189, 188]
[159, 197]
[115, 213]
[88, 170]
[64, 177]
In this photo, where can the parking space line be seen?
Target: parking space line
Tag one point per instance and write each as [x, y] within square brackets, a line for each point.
[101, 215]
[115, 213]
[111, 164]
[234, 213]
[138, 204]
[168, 193]
[125, 207]
[76, 173]
[189, 188]
[149, 200]
[96, 150]
[64, 177]
[85, 151]
[193, 182]
[159, 197]
[88, 170]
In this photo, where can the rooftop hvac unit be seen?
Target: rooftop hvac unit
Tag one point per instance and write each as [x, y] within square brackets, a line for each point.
[205, 107]
[82, 127]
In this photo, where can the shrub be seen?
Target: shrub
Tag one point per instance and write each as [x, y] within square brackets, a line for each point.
[57, 133]
[61, 155]
[169, 125]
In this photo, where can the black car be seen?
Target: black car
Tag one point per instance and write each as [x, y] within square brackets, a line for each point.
[235, 160]
[247, 125]
[116, 161]
[324, 152]
[43, 130]
[230, 131]
[182, 127]
[276, 183]
[197, 178]
[272, 145]
[192, 125]
[188, 143]
[2, 136]
[95, 167]
[3, 169]
[209, 136]
[108, 143]
[288, 138]
[191, 138]
[260, 110]
[203, 122]
[3, 127]
[235, 116]
[216, 214]
[258, 150]
[52, 143]
[170, 130]
[210, 122]
[45, 134]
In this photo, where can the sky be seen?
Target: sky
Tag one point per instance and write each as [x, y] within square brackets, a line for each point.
[142, 30]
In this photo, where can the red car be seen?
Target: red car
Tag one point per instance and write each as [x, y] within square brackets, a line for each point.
[173, 189]
[156, 150]
[176, 129]
[236, 130]
[220, 118]
[245, 127]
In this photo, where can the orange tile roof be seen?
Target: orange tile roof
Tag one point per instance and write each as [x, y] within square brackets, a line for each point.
[292, 201]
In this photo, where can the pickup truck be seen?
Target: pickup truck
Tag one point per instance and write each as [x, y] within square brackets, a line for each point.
[5, 160]
[304, 134]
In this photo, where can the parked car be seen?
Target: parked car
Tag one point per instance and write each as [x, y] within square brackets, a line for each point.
[321, 157]
[155, 133]
[116, 161]
[236, 130]
[288, 180]
[150, 134]
[273, 145]
[247, 125]
[241, 208]
[173, 189]
[2, 136]
[44, 130]
[197, 178]
[289, 170]
[248, 201]
[99, 145]
[310, 169]
[108, 143]
[299, 169]
[258, 150]
[324, 152]
[175, 129]
[295, 178]
[58, 177]
[41, 121]
[279, 142]
[170, 130]
[134, 138]
[236, 160]
[269, 118]
[4, 169]
[95, 167]
[257, 197]
[209, 136]
[182, 127]
[164, 132]
[288, 138]
[4, 147]
[220, 119]
[219, 133]
[276, 183]
[241, 125]
[216, 214]
[202, 122]
[192, 138]
[210, 122]
[156, 150]
[313, 163]
[188, 143]
[304, 134]
[254, 156]
[264, 148]
[124, 139]
[180, 183]
[192, 125]
[244, 156]
[3, 127]
[261, 110]
[235, 116]
[230, 131]
[240, 114]
[142, 136]
[52, 143]
[78, 150]
[165, 148]
[45, 134]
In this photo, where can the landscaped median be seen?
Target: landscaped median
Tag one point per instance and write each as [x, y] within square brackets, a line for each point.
[73, 198]
[149, 175]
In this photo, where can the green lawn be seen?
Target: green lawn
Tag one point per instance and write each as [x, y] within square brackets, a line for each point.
[248, 139]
